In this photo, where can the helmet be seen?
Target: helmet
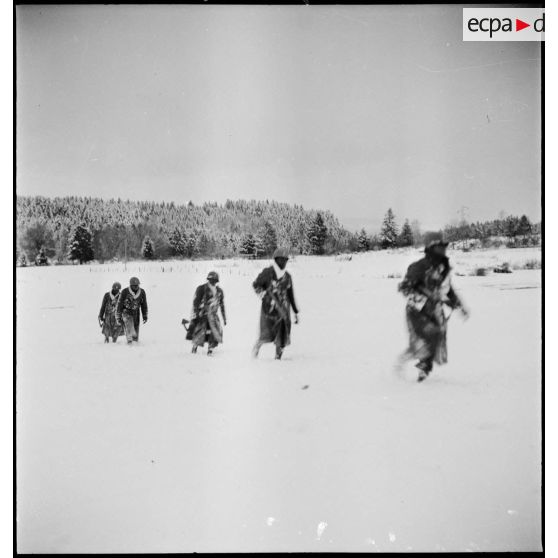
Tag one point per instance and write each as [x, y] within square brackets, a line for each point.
[213, 275]
[116, 285]
[434, 243]
[134, 281]
[281, 253]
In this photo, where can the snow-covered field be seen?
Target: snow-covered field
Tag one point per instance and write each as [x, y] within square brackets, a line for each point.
[153, 449]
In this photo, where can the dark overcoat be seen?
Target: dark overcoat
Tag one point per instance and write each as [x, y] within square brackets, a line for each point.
[277, 301]
[108, 315]
[130, 305]
[205, 324]
[427, 286]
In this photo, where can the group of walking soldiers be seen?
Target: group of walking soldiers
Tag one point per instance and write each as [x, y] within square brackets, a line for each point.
[427, 287]
[273, 285]
[120, 312]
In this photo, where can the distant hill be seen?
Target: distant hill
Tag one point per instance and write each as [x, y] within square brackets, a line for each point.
[119, 227]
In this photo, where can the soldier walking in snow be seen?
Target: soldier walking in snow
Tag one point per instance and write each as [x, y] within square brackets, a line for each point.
[430, 301]
[107, 314]
[274, 286]
[205, 325]
[132, 299]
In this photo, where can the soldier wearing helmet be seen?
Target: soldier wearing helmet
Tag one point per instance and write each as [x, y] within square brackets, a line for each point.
[430, 300]
[205, 325]
[132, 299]
[107, 314]
[274, 285]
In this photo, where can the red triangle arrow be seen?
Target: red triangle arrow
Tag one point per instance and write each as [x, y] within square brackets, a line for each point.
[519, 25]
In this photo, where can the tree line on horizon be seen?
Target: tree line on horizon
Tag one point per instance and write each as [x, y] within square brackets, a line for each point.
[82, 229]
[511, 231]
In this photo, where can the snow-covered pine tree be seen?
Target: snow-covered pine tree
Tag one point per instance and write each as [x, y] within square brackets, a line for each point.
[389, 232]
[363, 241]
[269, 239]
[317, 234]
[259, 248]
[406, 237]
[524, 227]
[191, 244]
[512, 228]
[81, 248]
[248, 245]
[147, 248]
[177, 242]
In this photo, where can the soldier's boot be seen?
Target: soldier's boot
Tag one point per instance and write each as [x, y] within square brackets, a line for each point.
[106, 339]
[425, 367]
[278, 353]
[194, 349]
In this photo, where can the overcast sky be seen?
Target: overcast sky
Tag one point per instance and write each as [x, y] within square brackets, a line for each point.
[353, 109]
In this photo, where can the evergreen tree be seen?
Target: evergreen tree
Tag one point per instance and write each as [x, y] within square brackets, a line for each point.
[511, 227]
[192, 247]
[259, 247]
[147, 249]
[177, 243]
[317, 234]
[406, 237]
[205, 244]
[363, 241]
[81, 245]
[524, 226]
[389, 232]
[248, 245]
[269, 239]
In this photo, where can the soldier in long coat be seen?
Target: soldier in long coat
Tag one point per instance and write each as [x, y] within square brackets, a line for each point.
[430, 300]
[107, 314]
[205, 325]
[274, 285]
[132, 299]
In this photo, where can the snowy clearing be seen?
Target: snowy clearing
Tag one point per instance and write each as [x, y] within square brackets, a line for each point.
[153, 449]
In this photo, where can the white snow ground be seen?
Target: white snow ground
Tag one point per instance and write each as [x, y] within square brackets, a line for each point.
[153, 449]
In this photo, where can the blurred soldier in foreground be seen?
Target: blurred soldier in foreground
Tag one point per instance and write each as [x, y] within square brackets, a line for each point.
[205, 324]
[132, 299]
[274, 286]
[107, 314]
[430, 301]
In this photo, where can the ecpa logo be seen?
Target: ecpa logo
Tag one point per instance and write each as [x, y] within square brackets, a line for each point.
[503, 24]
